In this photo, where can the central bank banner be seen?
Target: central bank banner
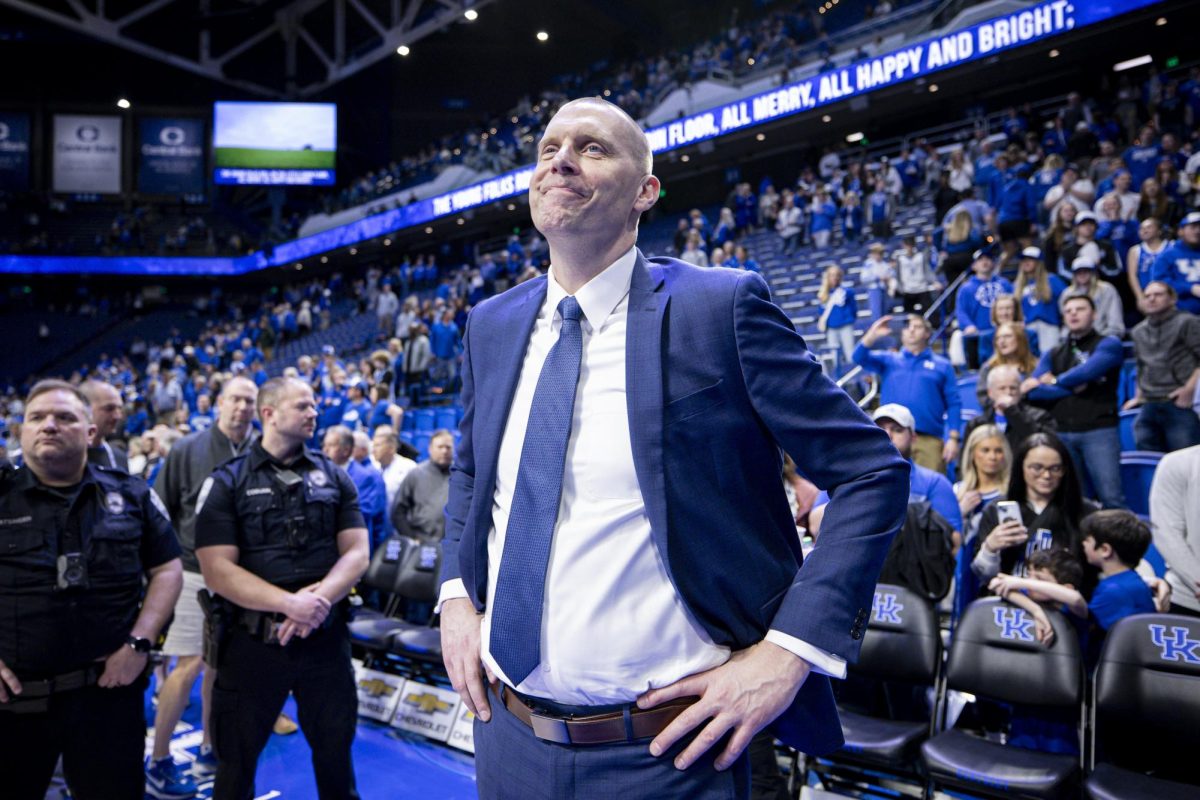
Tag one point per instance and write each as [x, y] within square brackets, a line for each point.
[171, 156]
[14, 152]
[87, 154]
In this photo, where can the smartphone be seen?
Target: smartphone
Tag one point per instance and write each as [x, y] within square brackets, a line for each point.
[1008, 511]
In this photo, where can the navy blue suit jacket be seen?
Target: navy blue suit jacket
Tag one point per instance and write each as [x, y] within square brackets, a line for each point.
[717, 382]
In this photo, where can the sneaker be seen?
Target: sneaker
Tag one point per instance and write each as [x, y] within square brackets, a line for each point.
[205, 764]
[166, 781]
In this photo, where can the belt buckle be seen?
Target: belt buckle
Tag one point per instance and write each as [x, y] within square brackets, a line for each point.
[549, 729]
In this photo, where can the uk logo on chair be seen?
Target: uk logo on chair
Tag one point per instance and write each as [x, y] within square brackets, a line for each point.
[886, 609]
[1175, 646]
[1014, 624]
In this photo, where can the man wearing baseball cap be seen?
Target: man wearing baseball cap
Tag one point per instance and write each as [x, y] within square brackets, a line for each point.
[925, 485]
[1108, 264]
[1179, 265]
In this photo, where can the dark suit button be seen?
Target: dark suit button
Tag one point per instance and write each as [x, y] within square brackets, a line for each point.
[856, 634]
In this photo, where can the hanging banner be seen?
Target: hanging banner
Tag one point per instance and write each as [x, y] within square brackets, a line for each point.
[14, 152]
[171, 156]
[87, 154]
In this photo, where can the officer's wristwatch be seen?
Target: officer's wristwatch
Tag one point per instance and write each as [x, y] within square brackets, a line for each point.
[139, 644]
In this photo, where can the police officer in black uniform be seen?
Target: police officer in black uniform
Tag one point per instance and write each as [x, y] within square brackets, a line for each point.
[280, 537]
[77, 614]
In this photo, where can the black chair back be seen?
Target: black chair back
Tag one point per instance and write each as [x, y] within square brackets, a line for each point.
[996, 654]
[902, 642]
[384, 570]
[1147, 695]
[419, 576]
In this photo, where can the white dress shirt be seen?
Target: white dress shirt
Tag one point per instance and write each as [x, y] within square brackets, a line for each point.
[393, 475]
[613, 625]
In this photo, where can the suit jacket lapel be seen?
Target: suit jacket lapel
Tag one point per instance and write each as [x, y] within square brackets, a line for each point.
[505, 341]
[648, 300]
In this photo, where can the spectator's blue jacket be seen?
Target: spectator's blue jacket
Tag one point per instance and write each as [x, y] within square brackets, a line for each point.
[924, 383]
[843, 314]
[1179, 265]
[852, 220]
[823, 216]
[1016, 201]
[444, 341]
[372, 498]
[933, 488]
[1035, 310]
[1141, 162]
[975, 298]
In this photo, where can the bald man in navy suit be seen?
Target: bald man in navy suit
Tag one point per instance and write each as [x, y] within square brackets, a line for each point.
[621, 568]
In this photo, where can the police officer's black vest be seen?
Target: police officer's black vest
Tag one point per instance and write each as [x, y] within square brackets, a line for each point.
[287, 534]
[1095, 406]
[47, 631]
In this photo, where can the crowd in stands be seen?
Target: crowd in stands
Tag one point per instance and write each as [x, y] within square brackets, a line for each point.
[58, 226]
[774, 41]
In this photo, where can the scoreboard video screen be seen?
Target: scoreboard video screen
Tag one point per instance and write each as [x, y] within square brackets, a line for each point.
[273, 144]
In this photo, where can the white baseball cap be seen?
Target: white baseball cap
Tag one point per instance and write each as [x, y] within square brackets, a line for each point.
[896, 413]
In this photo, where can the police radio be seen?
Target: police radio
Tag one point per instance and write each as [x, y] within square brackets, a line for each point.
[72, 572]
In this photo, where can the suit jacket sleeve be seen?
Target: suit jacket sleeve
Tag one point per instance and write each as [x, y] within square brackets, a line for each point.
[839, 449]
[462, 471]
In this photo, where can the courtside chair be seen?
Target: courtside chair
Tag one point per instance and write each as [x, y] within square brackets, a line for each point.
[1146, 711]
[902, 648]
[995, 656]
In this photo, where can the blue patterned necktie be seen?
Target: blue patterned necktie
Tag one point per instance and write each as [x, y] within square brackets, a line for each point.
[515, 640]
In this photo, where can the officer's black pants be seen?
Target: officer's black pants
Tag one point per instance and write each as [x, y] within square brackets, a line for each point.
[100, 734]
[253, 682]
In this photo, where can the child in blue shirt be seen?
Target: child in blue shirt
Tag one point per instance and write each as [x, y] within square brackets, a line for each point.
[1114, 542]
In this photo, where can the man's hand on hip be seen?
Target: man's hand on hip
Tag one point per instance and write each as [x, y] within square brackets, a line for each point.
[461, 653]
[745, 694]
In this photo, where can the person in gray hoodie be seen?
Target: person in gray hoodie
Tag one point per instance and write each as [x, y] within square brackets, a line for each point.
[1167, 344]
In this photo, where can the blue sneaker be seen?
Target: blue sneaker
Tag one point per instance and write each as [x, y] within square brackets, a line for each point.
[166, 781]
[205, 765]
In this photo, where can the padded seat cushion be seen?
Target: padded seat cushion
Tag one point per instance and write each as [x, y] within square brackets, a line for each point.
[957, 758]
[881, 740]
[418, 642]
[1113, 783]
[374, 633]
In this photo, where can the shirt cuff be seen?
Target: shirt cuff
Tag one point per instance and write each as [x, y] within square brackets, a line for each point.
[820, 661]
[451, 590]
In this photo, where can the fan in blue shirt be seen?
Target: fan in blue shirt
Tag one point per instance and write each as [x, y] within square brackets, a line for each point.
[1179, 264]
[919, 380]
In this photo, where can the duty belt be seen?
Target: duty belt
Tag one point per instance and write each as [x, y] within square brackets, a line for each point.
[264, 625]
[35, 694]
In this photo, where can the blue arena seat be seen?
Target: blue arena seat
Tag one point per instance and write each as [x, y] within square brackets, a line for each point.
[1146, 703]
[1125, 429]
[446, 417]
[996, 656]
[1137, 473]
[424, 420]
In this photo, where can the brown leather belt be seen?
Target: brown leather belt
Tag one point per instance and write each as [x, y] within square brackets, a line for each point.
[609, 728]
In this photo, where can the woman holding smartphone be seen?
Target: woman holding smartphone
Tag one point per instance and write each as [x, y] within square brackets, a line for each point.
[1042, 509]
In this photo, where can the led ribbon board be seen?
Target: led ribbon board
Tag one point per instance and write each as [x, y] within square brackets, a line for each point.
[918, 59]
